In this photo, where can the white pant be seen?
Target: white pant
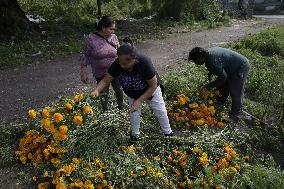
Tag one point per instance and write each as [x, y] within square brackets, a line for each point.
[157, 104]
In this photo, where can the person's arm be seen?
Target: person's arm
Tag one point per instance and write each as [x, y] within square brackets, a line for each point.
[86, 61]
[83, 74]
[221, 79]
[152, 83]
[102, 85]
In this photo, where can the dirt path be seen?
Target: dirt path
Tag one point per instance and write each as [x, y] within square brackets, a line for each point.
[40, 84]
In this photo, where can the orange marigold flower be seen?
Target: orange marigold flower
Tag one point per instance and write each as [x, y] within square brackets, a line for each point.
[68, 106]
[58, 117]
[87, 109]
[63, 129]
[78, 120]
[45, 113]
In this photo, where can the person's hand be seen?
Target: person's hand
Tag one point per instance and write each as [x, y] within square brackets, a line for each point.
[135, 106]
[95, 93]
[84, 78]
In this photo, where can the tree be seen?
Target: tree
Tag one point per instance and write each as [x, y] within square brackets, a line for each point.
[12, 18]
[99, 4]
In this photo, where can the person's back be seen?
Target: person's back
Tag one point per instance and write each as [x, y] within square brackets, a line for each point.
[221, 58]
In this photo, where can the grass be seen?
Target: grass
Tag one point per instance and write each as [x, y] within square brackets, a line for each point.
[59, 39]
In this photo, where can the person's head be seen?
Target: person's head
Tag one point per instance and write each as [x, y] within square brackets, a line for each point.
[106, 25]
[198, 55]
[126, 56]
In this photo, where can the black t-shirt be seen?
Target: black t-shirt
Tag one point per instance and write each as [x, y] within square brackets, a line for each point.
[134, 83]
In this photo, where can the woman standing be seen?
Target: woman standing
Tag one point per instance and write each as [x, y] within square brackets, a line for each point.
[140, 82]
[100, 51]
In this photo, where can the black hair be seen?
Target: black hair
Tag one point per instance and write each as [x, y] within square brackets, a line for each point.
[128, 40]
[127, 49]
[196, 53]
[105, 21]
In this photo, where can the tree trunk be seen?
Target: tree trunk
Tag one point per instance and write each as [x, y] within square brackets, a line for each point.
[99, 4]
[13, 20]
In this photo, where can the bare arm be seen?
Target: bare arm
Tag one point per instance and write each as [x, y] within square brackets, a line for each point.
[102, 85]
[146, 95]
[84, 77]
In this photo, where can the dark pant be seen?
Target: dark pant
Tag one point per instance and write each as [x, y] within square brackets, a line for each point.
[234, 85]
[104, 96]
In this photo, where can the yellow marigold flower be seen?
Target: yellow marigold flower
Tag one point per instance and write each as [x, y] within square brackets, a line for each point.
[196, 150]
[105, 182]
[61, 186]
[68, 106]
[131, 149]
[200, 122]
[55, 160]
[45, 113]
[34, 178]
[43, 185]
[45, 122]
[78, 120]
[23, 159]
[58, 117]
[75, 160]
[210, 102]
[237, 167]
[159, 174]
[233, 169]
[45, 174]
[193, 105]
[203, 159]
[100, 175]
[32, 113]
[131, 174]
[63, 129]
[78, 98]
[87, 109]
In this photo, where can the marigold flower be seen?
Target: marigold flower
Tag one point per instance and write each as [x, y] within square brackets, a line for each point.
[233, 169]
[55, 160]
[78, 120]
[87, 109]
[63, 129]
[203, 159]
[68, 106]
[159, 174]
[45, 122]
[43, 185]
[32, 113]
[61, 186]
[45, 113]
[57, 117]
[75, 160]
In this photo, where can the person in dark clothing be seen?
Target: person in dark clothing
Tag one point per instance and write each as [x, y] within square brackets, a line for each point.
[231, 69]
[140, 82]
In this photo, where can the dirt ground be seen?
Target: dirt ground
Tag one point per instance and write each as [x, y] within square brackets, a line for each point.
[40, 84]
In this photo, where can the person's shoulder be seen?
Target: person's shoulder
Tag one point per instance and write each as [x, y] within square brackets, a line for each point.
[143, 58]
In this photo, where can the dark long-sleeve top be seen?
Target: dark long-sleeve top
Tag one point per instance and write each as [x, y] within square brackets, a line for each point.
[223, 63]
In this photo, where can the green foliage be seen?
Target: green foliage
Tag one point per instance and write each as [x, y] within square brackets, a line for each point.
[265, 85]
[258, 176]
